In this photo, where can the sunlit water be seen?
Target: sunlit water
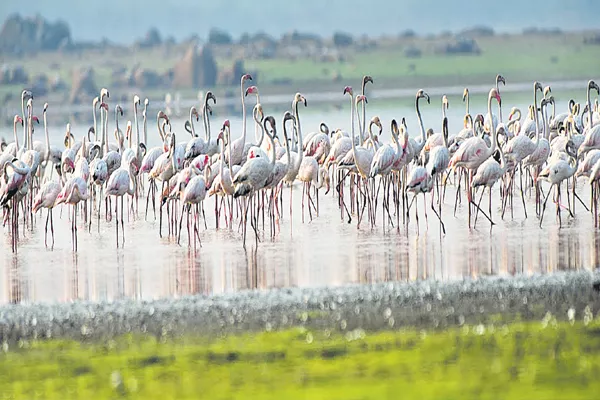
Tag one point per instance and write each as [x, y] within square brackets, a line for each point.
[326, 251]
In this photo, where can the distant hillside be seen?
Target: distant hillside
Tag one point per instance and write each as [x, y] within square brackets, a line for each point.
[124, 21]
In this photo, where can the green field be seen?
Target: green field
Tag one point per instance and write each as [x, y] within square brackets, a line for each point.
[519, 58]
[541, 360]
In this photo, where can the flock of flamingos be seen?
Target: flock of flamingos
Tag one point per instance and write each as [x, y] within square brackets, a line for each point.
[247, 180]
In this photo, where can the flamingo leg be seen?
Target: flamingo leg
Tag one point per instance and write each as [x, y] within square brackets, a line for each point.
[52, 226]
[46, 229]
[117, 221]
[122, 224]
[544, 206]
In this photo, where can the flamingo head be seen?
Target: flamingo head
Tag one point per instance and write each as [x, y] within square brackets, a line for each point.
[68, 165]
[361, 97]
[377, 122]
[593, 85]
[104, 105]
[465, 94]
[226, 124]
[251, 90]
[348, 90]
[18, 120]
[500, 78]
[421, 94]
[195, 113]
[211, 95]
[128, 130]
[136, 100]
[26, 94]
[494, 93]
[445, 102]
[161, 114]
[299, 97]
[367, 79]
[36, 119]
[246, 77]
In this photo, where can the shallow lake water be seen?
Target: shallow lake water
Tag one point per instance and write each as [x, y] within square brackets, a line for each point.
[326, 251]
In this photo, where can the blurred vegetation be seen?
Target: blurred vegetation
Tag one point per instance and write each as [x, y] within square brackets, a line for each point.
[502, 361]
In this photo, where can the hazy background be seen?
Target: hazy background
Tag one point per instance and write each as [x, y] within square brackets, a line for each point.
[124, 21]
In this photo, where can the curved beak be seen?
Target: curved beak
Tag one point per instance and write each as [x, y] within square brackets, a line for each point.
[210, 95]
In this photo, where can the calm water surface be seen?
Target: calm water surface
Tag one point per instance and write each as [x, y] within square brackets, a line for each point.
[326, 251]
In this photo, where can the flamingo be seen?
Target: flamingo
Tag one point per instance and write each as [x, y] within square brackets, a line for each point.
[194, 194]
[555, 173]
[360, 157]
[487, 175]
[474, 151]
[251, 178]
[417, 145]
[45, 198]
[223, 183]
[521, 146]
[11, 150]
[73, 192]
[295, 159]
[121, 182]
[386, 155]
[492, 117]
[164, 168]
[592, 134]
[237, 146]
[196, 145]
[439, 158]
[212, 145]
[419, 181]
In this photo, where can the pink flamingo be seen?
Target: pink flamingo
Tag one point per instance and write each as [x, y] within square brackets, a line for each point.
[15, 183]
[194, 194]
[121, 182]
[46, 198]
[474, 151]
[74, 191]
[237, 146]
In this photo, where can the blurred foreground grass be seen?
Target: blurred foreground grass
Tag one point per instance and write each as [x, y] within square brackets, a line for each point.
[530, 360]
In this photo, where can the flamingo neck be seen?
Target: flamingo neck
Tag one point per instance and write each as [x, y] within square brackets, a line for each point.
[299, 130]
[421, 127]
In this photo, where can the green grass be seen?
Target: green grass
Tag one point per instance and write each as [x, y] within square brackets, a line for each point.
[514, 361]
[517, 57]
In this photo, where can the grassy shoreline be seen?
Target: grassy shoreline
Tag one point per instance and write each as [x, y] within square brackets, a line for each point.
[517, 360]
[519, 58]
